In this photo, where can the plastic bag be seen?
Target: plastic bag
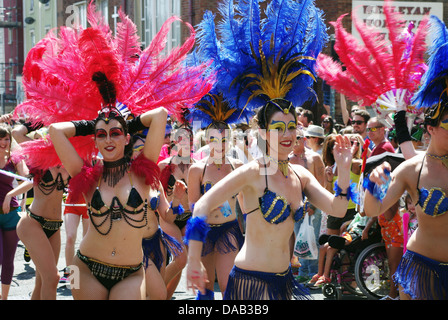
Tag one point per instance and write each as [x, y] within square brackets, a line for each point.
[306, 246]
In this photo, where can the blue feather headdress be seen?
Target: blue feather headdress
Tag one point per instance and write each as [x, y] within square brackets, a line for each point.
[433, 93]
[261, 59]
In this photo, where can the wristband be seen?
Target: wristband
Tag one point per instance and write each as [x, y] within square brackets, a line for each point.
[401, 128]
[84, 127]
[377, 191]
[30, 127]
[351, 193]
[197, 229]
[177, 210]
[135, 125]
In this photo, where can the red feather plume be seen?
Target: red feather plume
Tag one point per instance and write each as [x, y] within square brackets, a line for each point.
[374, 66]
[59, 85]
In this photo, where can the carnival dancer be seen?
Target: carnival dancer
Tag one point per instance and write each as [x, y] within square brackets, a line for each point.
[423, 271]
[174, 176]
[39, 229]
[225, 238]
[9, 216]
[273, 69]
[157, 245]
[103, 79]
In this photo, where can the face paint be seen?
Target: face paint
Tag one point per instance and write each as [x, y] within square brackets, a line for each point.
[138, 148]
[444, 124]
[113, 133]
[214, 139]
[282, 126]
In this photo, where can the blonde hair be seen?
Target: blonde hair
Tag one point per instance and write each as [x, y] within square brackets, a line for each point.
[360, 140]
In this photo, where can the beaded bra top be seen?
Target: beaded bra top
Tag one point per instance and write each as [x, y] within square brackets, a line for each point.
[434, 201]
[47, 184]
[275, 208]
[116, 211]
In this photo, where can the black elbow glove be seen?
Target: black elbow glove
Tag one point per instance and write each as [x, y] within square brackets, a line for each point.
[84, 127]
[135, 125]
[401, 127]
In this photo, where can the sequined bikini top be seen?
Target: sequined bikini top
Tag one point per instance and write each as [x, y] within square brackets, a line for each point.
[275, 208]
[434, 201]
[208, 184]
[116, 211]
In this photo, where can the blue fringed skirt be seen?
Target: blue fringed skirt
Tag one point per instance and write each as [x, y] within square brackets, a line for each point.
[152, 248]
[257, 285]
[422, 278]
[224, 238]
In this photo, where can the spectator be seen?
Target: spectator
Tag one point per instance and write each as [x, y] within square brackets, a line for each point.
[315, 137]
[306, 118]
[312, 161]
[377, 134]
[329, 125]
[359, 123]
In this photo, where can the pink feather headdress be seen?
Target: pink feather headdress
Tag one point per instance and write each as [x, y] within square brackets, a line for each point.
[58, 72]
[378, 73]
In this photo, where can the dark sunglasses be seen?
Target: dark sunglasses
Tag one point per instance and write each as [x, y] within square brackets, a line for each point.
[358, 122]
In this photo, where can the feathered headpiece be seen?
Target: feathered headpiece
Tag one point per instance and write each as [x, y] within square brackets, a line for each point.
[257, 59]
[377, 72]
[433, 93]
[76, 75]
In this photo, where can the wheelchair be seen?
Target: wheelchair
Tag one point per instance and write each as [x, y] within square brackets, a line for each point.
[360, 268]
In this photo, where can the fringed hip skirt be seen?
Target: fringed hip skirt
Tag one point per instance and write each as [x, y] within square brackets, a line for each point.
[422, 278]
[257, 285]
[152, 248]
[223, 238]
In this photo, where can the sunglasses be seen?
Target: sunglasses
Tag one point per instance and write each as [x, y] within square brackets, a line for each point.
[358, 122]
[373, 129]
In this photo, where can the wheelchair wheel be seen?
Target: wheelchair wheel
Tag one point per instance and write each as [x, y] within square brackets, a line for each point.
[372, 271]
[347, 274]
[330, 291]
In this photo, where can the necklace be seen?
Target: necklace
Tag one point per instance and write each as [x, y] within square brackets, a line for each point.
[444, 159]
[218, 162]
[283, 165]
[113, 171]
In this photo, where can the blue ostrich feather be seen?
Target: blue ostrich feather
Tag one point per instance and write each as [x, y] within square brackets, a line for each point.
[434, 81]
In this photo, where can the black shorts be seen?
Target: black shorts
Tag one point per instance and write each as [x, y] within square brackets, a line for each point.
[336, 223]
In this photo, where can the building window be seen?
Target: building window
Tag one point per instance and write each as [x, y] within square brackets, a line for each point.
[80, 14]
[103, 7]
[154, 15]
[10, 35]
[32, 38]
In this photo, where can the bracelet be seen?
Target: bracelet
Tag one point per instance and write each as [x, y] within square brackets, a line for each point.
[177, 210]
[197, 229]
[350, 194]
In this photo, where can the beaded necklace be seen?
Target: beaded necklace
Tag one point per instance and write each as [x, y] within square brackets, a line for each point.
[444, 159]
